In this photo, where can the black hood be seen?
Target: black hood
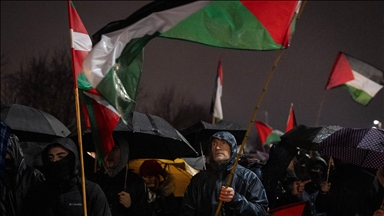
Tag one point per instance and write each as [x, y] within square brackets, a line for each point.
[14, 149]
[66, 143]
[224, 135]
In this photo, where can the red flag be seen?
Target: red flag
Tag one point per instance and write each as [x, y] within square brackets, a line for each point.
[81, 43]
[291, 122]
[263, 130]
[295, 209]
[100, 118]
[103, 118]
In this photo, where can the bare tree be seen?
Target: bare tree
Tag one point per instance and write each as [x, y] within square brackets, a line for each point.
[45, 83]
[180, 111]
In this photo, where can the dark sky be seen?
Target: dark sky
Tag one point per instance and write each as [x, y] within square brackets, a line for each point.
[29, 28]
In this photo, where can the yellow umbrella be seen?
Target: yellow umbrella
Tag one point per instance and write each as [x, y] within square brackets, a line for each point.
[179, 169]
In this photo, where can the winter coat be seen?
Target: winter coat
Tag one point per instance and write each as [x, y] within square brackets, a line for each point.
[64, 198]
[19, 182]
[350, 192]
[201, 196]
[120, 179]
[163, 202]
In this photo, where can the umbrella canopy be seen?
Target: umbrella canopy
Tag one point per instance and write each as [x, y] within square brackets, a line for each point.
[153, 137]
[308, 137]
[30, 124]
[198, 134]
[179, 169]
[149, 137]
[359, 146]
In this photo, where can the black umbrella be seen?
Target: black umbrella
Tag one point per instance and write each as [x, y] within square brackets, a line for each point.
[308, 137]
[150, 137]
[198, 134]
[30, 124]
[360, 146]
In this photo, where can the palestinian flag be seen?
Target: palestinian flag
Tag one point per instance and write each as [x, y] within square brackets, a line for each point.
[216, 109]
[294, 209]
[114, 65]
[267, 134]
[362, 80]
[291, 122]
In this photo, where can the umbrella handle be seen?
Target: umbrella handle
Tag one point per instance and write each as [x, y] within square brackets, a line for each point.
[329, 167]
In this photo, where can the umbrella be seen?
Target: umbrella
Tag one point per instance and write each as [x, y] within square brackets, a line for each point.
[149, 137]
[30, 124]
[359, 146]
[199, 133]
[179, 169]
[308, 137]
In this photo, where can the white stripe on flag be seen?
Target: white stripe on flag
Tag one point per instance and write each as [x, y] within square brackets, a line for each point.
[81, 41]
[103, 55]
[363, 83]
[101, 101]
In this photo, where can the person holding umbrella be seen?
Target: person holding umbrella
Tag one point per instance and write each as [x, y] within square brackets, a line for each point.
[246, 194]
[61, 193]
[125, 190]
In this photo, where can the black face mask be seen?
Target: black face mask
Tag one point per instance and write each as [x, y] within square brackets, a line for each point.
[62, 170]
[314, 185]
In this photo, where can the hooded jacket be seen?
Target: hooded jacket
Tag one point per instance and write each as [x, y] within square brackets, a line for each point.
[63, 196]
[201, 195]
[119, 179]
[19, 179]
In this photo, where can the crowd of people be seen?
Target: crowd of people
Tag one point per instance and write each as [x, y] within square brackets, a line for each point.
[225, 187]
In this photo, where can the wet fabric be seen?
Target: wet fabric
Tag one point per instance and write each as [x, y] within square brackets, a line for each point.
[19, 180]
[201, 196]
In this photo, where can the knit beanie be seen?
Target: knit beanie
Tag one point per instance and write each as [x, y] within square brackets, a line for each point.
[150, 168]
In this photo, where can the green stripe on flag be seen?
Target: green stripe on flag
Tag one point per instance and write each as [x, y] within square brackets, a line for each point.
[224, 24]
[358, 95]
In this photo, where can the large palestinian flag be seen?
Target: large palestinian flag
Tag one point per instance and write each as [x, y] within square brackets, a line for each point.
[114, 65]
[362, 80]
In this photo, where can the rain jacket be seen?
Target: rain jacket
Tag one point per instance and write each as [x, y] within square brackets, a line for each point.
[19, 182]
[201, 196]
[120, 179]
[65, 198]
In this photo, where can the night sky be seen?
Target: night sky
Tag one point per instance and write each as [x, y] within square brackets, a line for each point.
[29, 28]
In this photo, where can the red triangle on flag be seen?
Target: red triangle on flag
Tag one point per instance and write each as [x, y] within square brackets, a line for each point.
[263, 130]
[291, 122]
[341, 72]
[281, 12]
[295, 209]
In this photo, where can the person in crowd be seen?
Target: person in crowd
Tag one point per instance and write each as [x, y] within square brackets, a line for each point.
[61, 193]
[274, 171]
[245, 195]
[308, 190]
[377, 200]
[18, 180]
[351, 190]
[161, 186]
[125, 190]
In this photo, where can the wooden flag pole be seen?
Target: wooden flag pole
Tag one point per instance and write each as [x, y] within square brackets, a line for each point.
[320, 107]
[270, 74]
[251, 122]
[80, 140]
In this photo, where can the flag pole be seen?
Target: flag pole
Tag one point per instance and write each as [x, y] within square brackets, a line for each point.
[320, 107]
[270, 74]
[251, 122]
[78, 117]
